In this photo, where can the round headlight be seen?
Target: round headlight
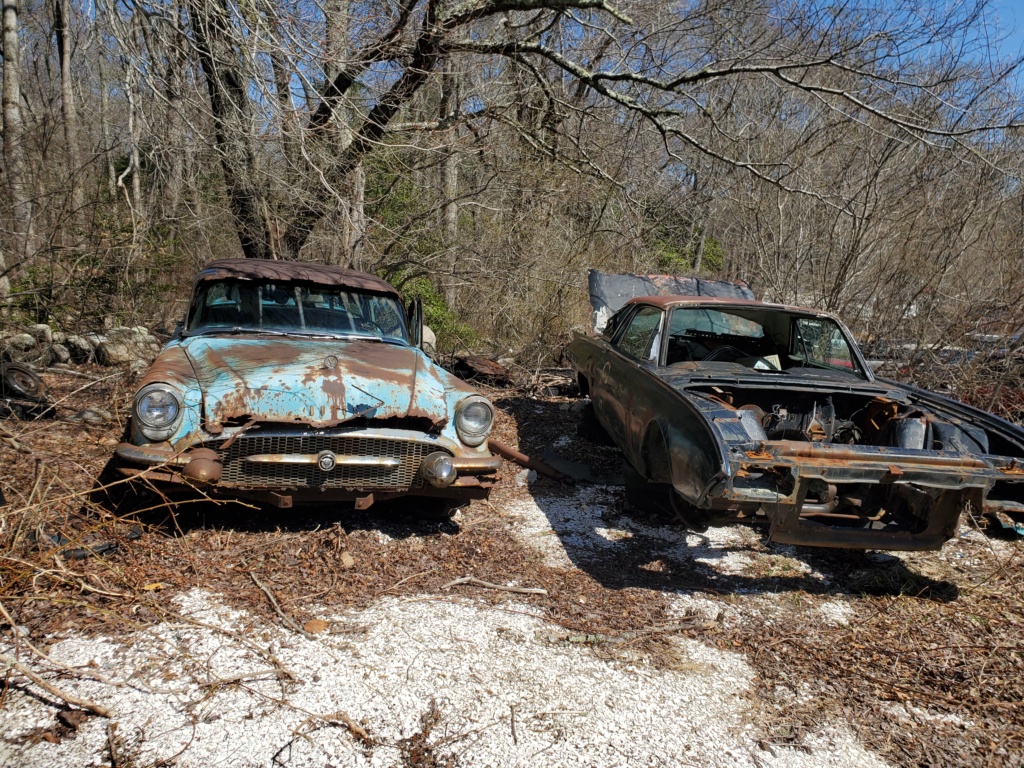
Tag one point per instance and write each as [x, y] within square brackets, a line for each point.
[473, 420]
[157, 408]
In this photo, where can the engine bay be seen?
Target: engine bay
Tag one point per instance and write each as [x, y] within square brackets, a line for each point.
[852, 419]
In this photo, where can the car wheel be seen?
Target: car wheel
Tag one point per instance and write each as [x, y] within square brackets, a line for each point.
[440, 510]
[115, 494]
[662, 499]
[18, 380]
[590, 429]
[683, 512]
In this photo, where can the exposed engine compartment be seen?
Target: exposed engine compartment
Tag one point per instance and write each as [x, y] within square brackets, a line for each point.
[866, 462]
[853, 420]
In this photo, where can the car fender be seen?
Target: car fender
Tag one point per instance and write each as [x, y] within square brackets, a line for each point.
[697, 453]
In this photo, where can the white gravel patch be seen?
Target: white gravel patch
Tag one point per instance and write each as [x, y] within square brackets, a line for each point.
[563, 522]
[484, 667]
[568, 529]
[837, 613]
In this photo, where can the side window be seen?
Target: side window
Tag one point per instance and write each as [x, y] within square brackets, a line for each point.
[639, 338]
[820, 342]
[614, 322]
[386, 317]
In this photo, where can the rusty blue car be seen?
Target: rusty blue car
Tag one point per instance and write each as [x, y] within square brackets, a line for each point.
[727, 408]
[293, 382]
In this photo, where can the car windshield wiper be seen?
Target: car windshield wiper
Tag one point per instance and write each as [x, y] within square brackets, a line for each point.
[237, 330]
[349, 337]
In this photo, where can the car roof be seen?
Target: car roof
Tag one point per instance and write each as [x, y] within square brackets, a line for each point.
[674, 301]
[304, 271]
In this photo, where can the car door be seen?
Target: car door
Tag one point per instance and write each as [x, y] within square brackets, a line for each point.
[593, 362]
[626, 377]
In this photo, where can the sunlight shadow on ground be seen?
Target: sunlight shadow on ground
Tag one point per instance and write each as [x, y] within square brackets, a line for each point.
[591, 528]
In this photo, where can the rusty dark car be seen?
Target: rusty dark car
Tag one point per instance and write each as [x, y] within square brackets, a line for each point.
[296, 382]
[730, 408]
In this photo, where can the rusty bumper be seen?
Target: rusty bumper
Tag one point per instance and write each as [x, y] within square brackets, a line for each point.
[281, 466]
[807, 482]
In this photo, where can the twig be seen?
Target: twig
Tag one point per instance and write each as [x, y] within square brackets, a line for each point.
[288, 620]
[279, 674]
[343, 718]
[71, 372]
[625, 637]
[53, 691]
[112, 744]
[488, 585]
[13, 442]
[20, 639]
[86, 386]
[38, 570]
[400, 582]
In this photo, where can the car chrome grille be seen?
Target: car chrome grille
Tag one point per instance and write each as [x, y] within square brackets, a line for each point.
[284, 474]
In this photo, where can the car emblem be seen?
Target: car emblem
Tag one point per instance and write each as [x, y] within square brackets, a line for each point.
[330, 362]
[326, 461]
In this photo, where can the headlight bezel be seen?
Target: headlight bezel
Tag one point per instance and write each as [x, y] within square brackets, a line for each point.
[153, 430]
[473, 436]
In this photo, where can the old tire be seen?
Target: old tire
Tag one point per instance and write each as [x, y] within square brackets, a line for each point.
[17, 380]
[662, 499]
[590, 429]
[116, 494]
[439, 509]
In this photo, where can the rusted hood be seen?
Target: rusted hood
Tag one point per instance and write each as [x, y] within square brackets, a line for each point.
[298, 381]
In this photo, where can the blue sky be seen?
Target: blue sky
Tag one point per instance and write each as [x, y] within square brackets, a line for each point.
[1011, 19]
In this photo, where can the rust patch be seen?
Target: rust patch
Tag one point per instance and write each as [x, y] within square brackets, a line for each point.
[286, 271]
[171, 366]
[334, 388]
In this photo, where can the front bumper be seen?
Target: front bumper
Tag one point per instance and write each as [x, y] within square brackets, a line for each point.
[310, 465]
[785, 479]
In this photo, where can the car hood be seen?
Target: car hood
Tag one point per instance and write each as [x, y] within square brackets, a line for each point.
[319, 382]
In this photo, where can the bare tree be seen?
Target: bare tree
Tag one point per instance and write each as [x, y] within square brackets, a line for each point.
[61, 30]
[501, 147]
[16, 172]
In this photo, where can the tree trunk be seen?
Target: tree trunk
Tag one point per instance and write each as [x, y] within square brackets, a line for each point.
[18, 183]
[369, 135]
[357, 217]
[175, 135]
[450, 168]
[230, 105]
[61, 27]
[108, 157]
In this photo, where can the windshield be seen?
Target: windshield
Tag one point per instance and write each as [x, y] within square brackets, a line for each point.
[294, 308]
[762, 338]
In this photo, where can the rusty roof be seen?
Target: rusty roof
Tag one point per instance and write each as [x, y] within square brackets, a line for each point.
[304, 271]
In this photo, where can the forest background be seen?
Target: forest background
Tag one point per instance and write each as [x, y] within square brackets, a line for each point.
[863, 156]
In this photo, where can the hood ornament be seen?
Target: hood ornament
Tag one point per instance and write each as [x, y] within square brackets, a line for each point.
[330, 362]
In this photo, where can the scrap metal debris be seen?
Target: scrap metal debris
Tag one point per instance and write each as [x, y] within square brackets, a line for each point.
[510, 453]
[22, 393]
[479, 367]
[581, 473]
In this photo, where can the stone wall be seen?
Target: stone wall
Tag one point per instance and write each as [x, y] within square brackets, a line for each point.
[40, 345]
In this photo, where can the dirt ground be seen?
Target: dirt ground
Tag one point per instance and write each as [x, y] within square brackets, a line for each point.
[916, 656]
